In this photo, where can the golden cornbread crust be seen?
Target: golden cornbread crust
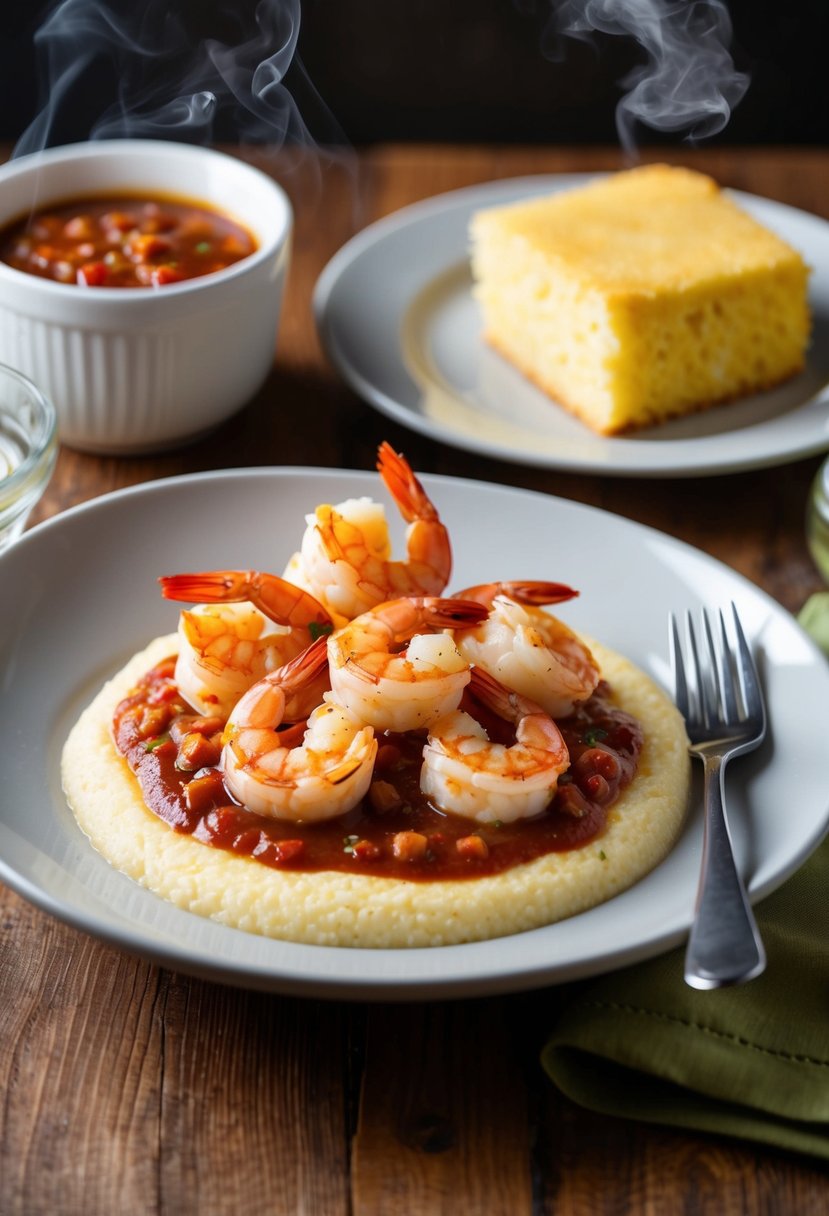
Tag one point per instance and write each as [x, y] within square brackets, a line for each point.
[337, 909]
[677, 411]
[640, 297]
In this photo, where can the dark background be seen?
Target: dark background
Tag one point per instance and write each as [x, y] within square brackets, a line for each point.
[456, 70]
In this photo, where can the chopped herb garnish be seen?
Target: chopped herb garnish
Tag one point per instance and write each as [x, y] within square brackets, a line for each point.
[602, 855]
[349, 843]
[594, 735]
[317, 629]
[496, 823]
[203, 247]
[152, 744]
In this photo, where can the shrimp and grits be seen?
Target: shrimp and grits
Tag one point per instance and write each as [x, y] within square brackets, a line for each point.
[355, 754]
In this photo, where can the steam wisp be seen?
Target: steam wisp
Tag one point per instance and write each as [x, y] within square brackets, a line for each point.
[689, 82]
[171, 83]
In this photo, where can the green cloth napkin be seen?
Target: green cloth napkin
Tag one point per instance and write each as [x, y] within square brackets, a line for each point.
[749, 1061]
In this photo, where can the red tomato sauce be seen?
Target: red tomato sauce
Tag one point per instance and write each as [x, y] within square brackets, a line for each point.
[174, 754]
[124, 242]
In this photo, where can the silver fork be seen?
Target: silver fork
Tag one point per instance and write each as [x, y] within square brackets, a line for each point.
[725, 717]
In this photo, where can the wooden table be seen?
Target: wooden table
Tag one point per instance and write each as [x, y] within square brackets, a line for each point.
[129, 1089]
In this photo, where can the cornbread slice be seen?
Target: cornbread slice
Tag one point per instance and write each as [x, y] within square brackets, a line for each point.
[640, 297]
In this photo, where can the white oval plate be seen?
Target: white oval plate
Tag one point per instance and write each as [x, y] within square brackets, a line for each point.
[81, 596]
[396, 315]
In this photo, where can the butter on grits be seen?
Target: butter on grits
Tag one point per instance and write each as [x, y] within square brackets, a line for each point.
[336, 908]
[641, 296]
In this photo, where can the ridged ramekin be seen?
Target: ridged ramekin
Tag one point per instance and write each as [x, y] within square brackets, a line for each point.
[138, 369]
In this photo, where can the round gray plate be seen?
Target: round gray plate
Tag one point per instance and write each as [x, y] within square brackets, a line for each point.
[81, 596]
[396, 315]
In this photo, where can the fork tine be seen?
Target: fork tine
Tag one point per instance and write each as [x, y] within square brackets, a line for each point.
[680, 681]
[703, 692]
[749, 680]
[727, 683]
[718, 676]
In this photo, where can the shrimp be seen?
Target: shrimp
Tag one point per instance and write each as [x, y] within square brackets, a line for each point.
[524, 591]
[345, 554]
[528, 649]
[251, 625]
[323, 777]
[393, 669]
[466, 774]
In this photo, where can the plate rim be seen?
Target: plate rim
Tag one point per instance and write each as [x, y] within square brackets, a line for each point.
[298, 980]
[423, 210]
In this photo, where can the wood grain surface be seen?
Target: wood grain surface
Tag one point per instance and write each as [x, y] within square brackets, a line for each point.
[129, 1089]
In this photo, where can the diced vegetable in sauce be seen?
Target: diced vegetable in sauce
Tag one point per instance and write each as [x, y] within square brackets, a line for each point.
[125, 242]
[395, 832]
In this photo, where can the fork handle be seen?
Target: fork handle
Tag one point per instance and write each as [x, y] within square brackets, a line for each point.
[724, 946]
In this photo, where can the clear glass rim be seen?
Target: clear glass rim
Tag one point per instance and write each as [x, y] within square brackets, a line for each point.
[42, 439]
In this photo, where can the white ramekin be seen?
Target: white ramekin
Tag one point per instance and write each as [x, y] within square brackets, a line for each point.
[136, 370]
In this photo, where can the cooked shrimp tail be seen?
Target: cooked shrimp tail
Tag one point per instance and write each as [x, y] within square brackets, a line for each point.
[531, 651]
[394, 667]
[412, 500]
[533, 726]
[464, 773]
[522, 591]
[272, 773]
[427, 541]
[278, 599]
[345, 556]
[264, 704]
[244, 625]
[402, 618]
[303, 681]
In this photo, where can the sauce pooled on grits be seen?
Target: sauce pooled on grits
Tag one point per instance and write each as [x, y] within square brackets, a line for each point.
[394, 832]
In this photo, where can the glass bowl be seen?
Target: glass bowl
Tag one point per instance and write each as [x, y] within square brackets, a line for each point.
[28, 450]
